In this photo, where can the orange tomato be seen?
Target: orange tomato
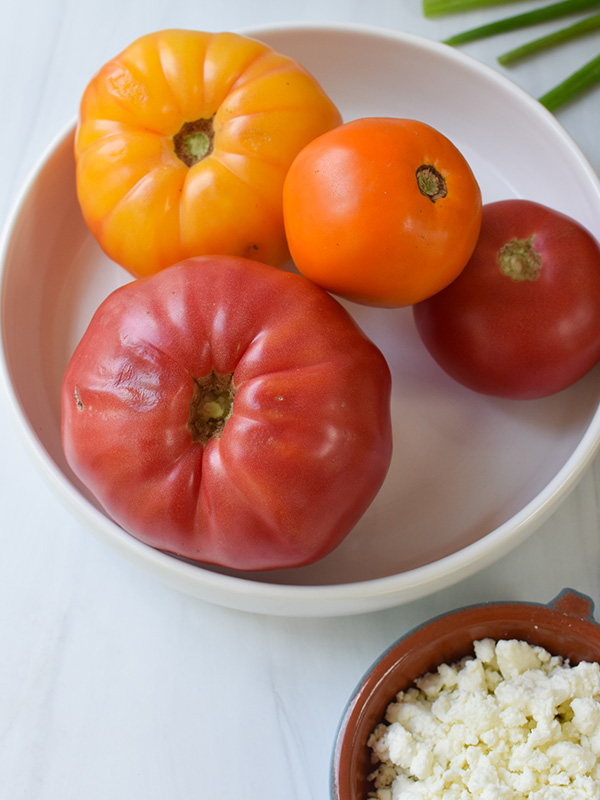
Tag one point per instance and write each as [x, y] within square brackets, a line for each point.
[183, 144]
[381, 211]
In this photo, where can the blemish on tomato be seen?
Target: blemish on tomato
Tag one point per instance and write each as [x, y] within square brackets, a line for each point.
[78, 400]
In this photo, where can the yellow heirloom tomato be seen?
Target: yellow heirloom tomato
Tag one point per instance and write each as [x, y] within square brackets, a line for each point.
[183, 143]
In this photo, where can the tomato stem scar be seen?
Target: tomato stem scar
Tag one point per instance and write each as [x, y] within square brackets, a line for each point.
[194, 141]
[210, 407]
[431, 183]
[519, 260]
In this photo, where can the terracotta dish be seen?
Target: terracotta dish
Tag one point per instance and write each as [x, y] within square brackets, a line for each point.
[564, 627]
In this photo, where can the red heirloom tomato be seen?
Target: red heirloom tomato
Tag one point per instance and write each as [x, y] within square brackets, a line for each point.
[381, 211]
[183, 144]
[230, 413]
[523, 318]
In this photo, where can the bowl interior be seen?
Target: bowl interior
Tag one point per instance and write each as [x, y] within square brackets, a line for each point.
[465, 466]
[559, 628]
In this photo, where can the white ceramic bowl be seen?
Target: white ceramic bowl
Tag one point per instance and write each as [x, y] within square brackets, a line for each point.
[471, 476]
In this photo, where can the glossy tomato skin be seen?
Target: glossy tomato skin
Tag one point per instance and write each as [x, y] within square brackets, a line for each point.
[358, 223]
[144, 197]
[519, 339]
[306, 446]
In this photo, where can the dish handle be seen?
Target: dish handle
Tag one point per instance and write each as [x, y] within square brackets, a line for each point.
[574, 604]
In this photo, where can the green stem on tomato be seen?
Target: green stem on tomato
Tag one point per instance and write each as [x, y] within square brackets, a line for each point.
[520, 261]
[580, 28]
[211, 405]
[572, 86]
[544, 14]
[438, 8]
[194, 141]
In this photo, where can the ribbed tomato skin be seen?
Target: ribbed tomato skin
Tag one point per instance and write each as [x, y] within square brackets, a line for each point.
[304, 451]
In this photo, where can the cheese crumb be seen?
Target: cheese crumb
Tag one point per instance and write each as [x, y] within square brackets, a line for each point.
[511, 723]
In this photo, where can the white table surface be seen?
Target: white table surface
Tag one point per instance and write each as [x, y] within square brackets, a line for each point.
[114, 686]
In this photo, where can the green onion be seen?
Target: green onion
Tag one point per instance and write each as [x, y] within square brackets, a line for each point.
[438, 8]
[576, 83]
[543, 14]
[551, 40]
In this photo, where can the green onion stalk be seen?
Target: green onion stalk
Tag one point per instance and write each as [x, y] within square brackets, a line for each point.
[584, 26]
[538, 15]
[438, 8]
[572, 86]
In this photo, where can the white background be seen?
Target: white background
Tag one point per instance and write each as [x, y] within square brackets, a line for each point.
[114, 686]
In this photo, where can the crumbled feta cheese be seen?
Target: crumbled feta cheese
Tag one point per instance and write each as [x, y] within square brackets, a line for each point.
[511, 723]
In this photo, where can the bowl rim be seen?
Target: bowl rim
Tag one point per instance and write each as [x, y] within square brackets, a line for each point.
[306, 599]
[569, 604]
